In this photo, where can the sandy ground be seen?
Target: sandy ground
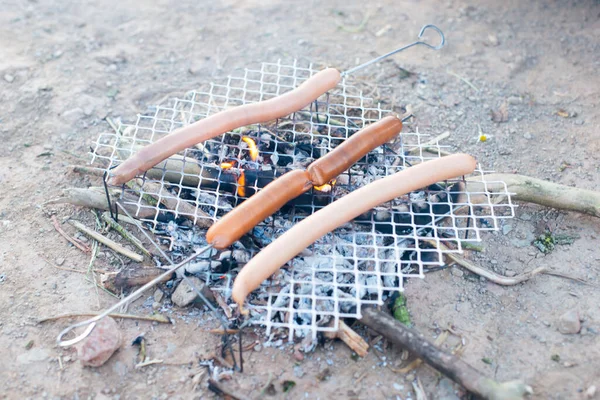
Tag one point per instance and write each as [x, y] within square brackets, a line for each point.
[66, 65]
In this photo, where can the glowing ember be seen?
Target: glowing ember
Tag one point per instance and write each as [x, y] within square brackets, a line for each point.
[227, 165]
[241, 190]
[326, 188]
[251, 147]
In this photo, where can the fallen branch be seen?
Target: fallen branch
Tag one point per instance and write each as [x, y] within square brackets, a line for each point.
[153, 318]
[107, 242]
[492, 276]
[80, 246]
[351, 338]
[132, 277]
[94, 197]
[448, 364]
[538, 191]
[123, 232]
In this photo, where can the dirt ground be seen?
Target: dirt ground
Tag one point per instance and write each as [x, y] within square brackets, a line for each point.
[67, 65]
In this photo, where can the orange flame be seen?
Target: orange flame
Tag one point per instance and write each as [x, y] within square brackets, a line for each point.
[251, 147]
[241, 190]
[326, 188]
[227, 165]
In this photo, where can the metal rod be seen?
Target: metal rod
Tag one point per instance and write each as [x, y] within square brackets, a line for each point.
[92, 321]
[418, 42]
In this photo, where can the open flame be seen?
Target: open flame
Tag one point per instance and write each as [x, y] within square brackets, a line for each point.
[241, 181]
[252, 148]
[326, 188]
[227, 164]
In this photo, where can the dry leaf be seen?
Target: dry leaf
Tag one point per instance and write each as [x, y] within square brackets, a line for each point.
[563, 113]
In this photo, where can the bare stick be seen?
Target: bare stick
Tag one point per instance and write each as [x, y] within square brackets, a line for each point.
[448, 364]
[540, 192]
[123, 232]
[351, 338]
[128, 278]
[153, 318]
[107, 242]
[492, 276]
[147, 363]
[95, 198]
[80, 246]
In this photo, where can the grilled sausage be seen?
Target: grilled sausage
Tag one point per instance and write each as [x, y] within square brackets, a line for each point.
[353, 149]
[300, 236]
[244, 217]
[223, 122]
[276, 194]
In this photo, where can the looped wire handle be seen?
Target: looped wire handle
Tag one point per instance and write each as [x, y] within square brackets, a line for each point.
[417, 43]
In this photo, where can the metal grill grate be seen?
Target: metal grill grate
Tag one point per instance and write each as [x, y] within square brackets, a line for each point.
[360, 263]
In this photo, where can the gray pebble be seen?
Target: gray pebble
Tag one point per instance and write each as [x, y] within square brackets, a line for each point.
[60, 261]
[506, 229]
[569, 322]
[298, 371]
[510, 273]
[9, 78]
[527, 135]
[457, 272]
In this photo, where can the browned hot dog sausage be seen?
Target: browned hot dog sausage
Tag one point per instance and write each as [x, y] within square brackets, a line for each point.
[353, 149]
[257, 208]
[223, 122]
[310, 229]
[276, 194]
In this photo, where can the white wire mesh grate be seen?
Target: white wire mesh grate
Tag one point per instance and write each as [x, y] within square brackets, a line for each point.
[362, 262]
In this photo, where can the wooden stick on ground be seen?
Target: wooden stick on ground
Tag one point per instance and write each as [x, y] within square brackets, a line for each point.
[448, 364]
[94, 197]
[123, 232]
[107, 242]
[153, 318]
[540, 192]
[351, 338]
[80, 246]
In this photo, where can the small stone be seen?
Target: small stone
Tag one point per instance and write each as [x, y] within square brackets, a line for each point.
[410, 377]
[398, 387]
[569, 322]
[514, 100]
[298, 371]
[298, 356]
[579, 122]
[506, 229]
[527, 136]
[9, 78]
[60, 261]
[101, 344]
[258, 348]
[494, 262]
[112, 67]
[155, 305]
[159, 295]
[57, 54]
[185, 295]
[457, 272]
[590, 392]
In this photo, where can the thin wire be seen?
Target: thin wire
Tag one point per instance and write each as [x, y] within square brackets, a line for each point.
[92, 321]
[418, 42]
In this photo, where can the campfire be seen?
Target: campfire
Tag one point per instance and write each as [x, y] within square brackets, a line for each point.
[363, 262]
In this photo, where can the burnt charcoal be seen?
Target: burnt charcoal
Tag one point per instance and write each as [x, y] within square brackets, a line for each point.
[284, 160]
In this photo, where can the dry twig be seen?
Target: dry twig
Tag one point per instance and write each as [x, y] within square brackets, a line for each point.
[351, 338]
[153, 318]
[450, 365]
[73, 241]
[107, 242]
[538, 191]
